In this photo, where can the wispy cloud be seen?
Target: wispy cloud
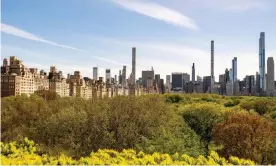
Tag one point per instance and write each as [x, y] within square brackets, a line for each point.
[11, 30]
[159, 12]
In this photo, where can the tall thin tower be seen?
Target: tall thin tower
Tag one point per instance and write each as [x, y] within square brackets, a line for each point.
[270, 76]
[133, 65]
[212, 62]
[262, 60]
[193, 73]
[124, 77]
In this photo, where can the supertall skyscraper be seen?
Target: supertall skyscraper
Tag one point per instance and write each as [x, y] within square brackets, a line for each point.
[234, 75]
[270, 76]
[212, 62]
[133, 65]
[193, 73]
[262, 60]
[234, 69]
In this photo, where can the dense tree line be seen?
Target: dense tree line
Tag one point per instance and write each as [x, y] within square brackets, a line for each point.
[193, 124]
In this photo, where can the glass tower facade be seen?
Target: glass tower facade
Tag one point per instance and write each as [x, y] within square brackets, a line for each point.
[262, 60]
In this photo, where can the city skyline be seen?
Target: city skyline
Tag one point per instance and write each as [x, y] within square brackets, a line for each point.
[164, 42]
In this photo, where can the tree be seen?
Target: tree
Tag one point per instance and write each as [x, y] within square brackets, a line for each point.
[202, 118]
[47, 94]
[246, 136]
[260, 105]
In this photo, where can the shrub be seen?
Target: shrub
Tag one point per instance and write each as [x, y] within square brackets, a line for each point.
[20, 156]
[173, 98]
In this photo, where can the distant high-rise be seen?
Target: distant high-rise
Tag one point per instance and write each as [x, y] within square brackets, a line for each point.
[115, 79]
[168, 81]
[234, 69]
[177, 81]
[262, 60]
[206, 83]
[199, 79]
[120, 77]
[145, 75]
[270, 76]
[226, 76]
[186, 78]
[258, 82]
[234, 75]
[124, 77]
[157, 79]
[95, 73]
[231, 75]
[133, 65]
[107, 76]
[193, 73]
[212, 62]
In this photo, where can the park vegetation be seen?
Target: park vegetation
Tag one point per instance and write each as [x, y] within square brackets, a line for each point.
[149, 129]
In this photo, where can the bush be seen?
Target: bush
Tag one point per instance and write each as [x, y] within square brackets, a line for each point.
[76, 126]
[247, 136]
[232, 103]
[21, 154]
[260, 105]
[173, 98]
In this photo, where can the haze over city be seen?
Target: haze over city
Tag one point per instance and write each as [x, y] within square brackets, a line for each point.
[169, 35]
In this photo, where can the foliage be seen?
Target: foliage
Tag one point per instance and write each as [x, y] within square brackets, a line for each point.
[247, 136]
[260, 105]
[232, 103]
[202, 118]
[76, 126]
[14, 153]
[174, 98]
[167, 124]
[47, 94]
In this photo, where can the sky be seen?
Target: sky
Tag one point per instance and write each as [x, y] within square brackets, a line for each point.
[169, 35]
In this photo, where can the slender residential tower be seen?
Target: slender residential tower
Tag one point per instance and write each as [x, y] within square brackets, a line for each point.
[133, 65]
[212, 62]
[234, 75]
[262, 60]
[193, 73]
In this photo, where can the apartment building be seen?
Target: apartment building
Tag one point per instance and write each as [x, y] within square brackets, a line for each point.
[17, 79]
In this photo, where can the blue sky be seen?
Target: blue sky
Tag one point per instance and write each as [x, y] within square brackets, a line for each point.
[169, 35]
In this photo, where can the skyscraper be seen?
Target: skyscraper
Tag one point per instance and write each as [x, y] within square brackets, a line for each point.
[234, 75]
[262, 60]
[95, 73]
[133, 65]
[270, 76]
[168, 81]
[145, 75]
[124, 77]
[234, 69]
[212, 62]
[226, 77]
[193, 73]
[157, 79]
[107, 76]
[186, 78]
[177, 81]
[231, 75]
